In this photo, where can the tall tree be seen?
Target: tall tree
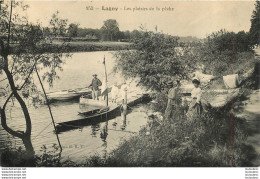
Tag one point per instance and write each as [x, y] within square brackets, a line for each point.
[73, 30]
[110, 29]
[23, 46]
[58, 25]
[255, 25]
[157, 58]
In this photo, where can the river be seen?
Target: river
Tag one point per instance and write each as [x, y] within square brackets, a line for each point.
[83, 141]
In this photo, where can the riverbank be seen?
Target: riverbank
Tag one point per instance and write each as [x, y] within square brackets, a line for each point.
[172, 143]
[181, 143]
[84, 46]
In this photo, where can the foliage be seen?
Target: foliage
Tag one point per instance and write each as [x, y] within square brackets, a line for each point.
[58, 25]
[157, 59]
[48, 158]
[216, 52]
[83, 32]
[15, 158]
[222, 41]
[110, 29]
[181, 143]
[73, 30]
[123, 36]
[83, 46]
[255, 25]
[23, 48]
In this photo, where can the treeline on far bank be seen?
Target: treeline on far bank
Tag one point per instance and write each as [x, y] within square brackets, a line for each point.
[217, 43]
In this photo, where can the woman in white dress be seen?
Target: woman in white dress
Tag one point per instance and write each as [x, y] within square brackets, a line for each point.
[123, 92]
[114, 93]
[195, 107]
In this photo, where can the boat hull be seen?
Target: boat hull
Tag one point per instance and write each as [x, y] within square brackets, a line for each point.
[86, 117]
[67, 95]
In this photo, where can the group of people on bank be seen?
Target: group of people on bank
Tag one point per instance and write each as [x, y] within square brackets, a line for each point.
[174, 103]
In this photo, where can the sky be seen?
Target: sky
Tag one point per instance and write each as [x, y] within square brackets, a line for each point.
[182, 18]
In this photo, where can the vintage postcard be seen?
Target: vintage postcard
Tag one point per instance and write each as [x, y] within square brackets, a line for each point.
[129, 84]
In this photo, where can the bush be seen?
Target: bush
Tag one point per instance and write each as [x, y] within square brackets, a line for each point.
[15, 158]
[178, 142]
[216, 52]
[157, 58]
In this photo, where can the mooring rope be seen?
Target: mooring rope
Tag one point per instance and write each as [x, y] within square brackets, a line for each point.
[42, 131]
[47, 101]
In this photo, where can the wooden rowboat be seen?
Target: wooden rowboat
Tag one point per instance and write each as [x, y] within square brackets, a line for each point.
[66, 95]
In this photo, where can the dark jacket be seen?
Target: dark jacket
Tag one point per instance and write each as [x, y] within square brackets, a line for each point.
[95, 84]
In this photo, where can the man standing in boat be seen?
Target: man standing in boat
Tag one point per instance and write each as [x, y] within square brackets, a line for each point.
[95, 86]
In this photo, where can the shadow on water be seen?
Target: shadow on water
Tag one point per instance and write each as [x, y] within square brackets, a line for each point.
[95, 121]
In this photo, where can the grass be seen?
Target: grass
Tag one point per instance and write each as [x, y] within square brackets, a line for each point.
[84, 46]
[181, 143]
[177, 142]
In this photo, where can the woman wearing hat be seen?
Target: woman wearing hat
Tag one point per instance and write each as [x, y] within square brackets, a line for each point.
[195, 107]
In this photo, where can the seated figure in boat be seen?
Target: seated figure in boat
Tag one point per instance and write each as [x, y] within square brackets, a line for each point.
[95, 86]
[114, 92]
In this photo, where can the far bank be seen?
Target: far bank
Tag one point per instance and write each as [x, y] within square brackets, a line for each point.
[87, 46]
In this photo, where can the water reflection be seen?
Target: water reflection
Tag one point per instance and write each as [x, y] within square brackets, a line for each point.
[95, 128]
[82, 138]
[123, 116]
[104, 132]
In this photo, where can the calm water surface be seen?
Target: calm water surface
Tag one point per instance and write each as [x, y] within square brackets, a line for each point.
[82, 141]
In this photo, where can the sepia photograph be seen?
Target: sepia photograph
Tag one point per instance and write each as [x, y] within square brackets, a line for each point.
[129, 83]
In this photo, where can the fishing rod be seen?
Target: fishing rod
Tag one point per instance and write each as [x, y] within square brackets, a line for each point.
[47, 101]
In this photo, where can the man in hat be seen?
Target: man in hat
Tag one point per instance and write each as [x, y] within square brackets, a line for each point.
[174, 99]
[95, 86]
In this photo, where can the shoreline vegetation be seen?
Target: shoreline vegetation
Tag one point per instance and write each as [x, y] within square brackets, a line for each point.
[173, 142]
[169, 143]
[83, 46]
[86, 46]
[216, 138]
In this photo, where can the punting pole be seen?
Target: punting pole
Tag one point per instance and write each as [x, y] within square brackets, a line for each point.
[104, 62]
[47, 101]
